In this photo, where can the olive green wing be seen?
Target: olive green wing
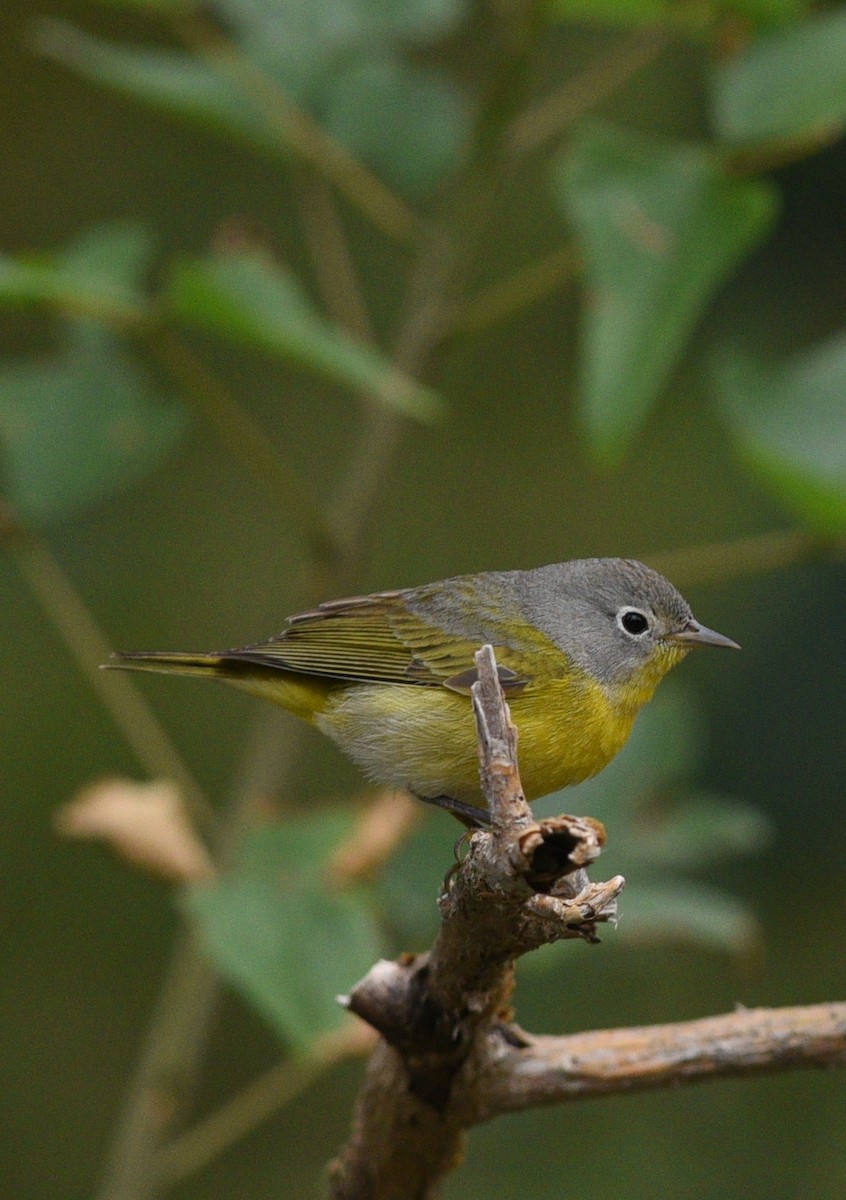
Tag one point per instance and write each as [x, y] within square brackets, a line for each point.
[378, 639]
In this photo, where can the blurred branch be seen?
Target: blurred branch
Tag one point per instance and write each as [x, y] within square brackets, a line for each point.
[72, 619]
[515, 293]
[381, 826]
[522, 885]
[550, 1070]
[298, 131]
[331, 257]
[179, 1027]
[380, 830]
[752, 555]
[547, 120]
[508, 53]
[165, 1078]
[256, 1103]
[344, 301]
[244, 439]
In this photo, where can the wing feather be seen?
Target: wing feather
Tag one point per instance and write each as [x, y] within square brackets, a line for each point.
[377, 639]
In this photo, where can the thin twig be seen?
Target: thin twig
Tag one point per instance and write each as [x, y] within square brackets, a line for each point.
[89, 647]
[297, 131]
[244, 439]
[331, 258]
[164, 1080]
[551, 117]
[343, 299]
[753, 554]
[258, 1101]
[516, 293]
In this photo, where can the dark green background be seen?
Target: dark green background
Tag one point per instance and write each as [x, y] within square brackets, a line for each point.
[196, 556]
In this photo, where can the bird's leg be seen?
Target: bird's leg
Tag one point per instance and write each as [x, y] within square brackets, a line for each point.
[468, 814]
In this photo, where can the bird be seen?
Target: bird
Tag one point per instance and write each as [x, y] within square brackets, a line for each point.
[580, 648]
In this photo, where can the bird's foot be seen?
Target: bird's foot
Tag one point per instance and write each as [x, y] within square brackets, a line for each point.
[468, 814]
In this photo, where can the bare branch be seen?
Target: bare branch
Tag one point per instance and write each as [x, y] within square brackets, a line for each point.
[515, 293]
[88, 646]
[548, 1070]
[523, 884]
[449, 1056]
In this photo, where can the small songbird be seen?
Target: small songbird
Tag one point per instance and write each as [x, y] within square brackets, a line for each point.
[580, 647]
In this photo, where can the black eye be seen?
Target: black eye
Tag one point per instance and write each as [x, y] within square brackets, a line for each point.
[633, 621]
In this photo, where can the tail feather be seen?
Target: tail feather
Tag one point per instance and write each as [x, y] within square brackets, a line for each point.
[301, 695]
[166, 662]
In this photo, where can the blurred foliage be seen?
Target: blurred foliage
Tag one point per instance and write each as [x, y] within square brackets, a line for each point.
[788, 85]
[282, 935]
[249, 300]
[660, 227]
[80, 424]
[790, 421]
[419, 161]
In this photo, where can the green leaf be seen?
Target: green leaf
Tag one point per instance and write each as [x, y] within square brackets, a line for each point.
[79, 426]
[304, 45]
[252, 301]
[324, 28]
[661, 226]
[681, 911]
[97, 274]
[697, 831]
[411, 881]
[407, 123]
[276, 930]
[177, 83]
[788, 85]
[789, 424]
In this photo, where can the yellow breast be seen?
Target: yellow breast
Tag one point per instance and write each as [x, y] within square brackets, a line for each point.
[568, 732]
[425, 738]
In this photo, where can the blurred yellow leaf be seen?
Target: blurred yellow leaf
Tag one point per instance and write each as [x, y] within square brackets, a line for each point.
[145, 823]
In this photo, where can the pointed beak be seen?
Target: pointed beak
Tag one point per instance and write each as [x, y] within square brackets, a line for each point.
[695, 634]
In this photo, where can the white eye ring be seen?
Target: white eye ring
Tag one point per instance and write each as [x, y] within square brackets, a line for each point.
[633, 622]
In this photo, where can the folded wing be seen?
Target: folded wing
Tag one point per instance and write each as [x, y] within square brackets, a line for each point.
[378, 639]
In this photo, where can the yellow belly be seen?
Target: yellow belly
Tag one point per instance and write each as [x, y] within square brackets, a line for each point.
[424, 738]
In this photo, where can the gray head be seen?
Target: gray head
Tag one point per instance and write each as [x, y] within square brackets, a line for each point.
[612, 616]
